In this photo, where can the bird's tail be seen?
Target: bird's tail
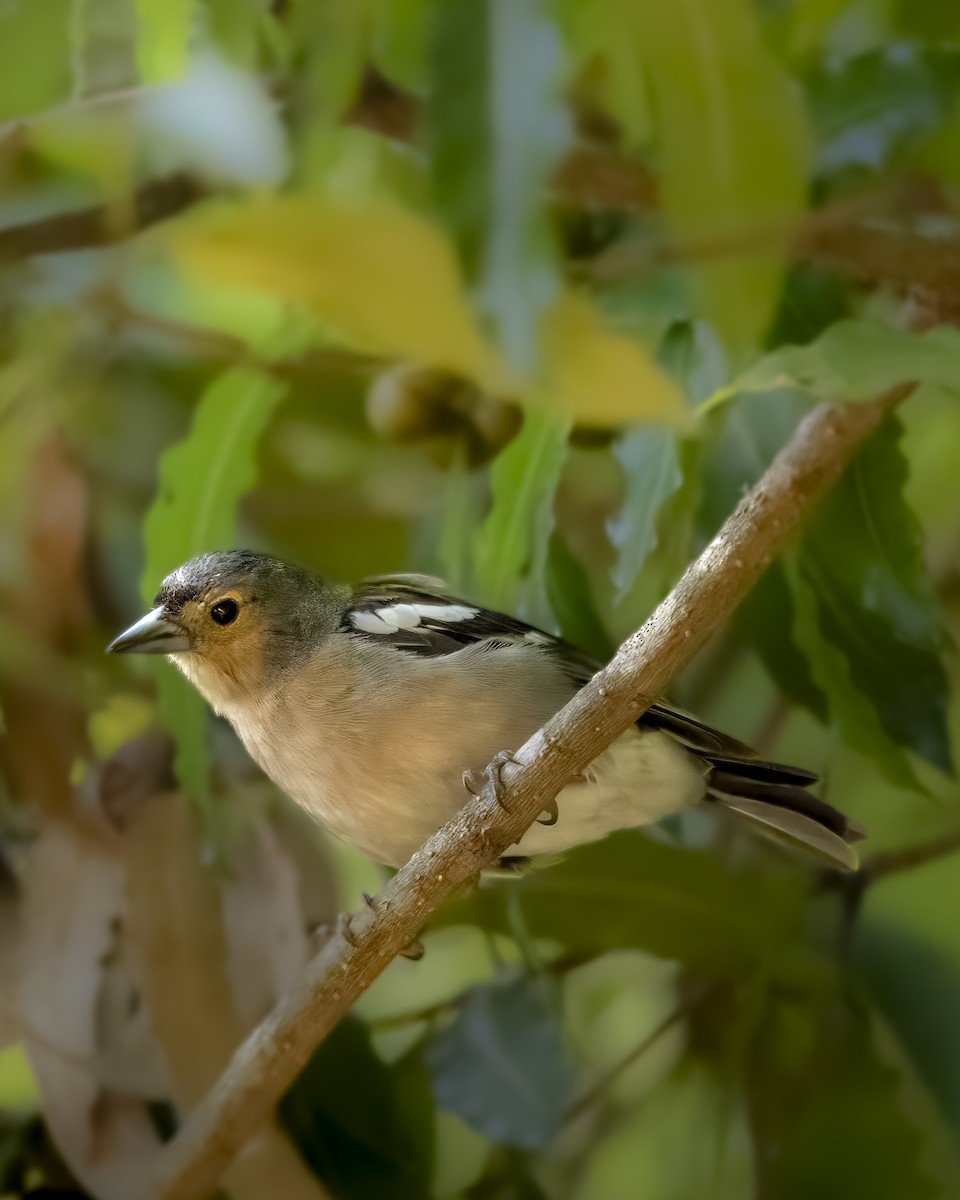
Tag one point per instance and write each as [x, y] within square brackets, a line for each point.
[775, 800]
[772, 797]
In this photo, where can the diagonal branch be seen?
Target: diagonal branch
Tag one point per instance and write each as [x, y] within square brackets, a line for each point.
[267, 1063]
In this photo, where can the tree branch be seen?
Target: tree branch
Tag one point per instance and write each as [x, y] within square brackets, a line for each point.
[885, 863]
[85, 228]
[269, 1060]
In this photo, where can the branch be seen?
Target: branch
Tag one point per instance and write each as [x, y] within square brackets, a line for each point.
[271, 1057]
[610, 1077]
[839, 239]
[885, 863]
[88, 227]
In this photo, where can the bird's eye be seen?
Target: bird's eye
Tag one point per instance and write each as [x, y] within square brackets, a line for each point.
[224, 612]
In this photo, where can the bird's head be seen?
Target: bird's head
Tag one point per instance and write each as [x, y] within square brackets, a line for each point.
[234, 622]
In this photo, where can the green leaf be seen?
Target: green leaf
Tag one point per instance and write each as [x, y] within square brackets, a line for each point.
[35, 56]
[232, 24]
[766, 620]
[201, 479]
[460, 513]
[651, 470]
[852, 618]
[363, 1127]
[632, 891]
[333, 39]
[166, 27]
[604, 35]
[917, 988]
[826, 1110]
[691, 1108]
[750, 432]
[401, 34]
[852, 712]
[497, 129]
[500, 1065]
[862, 554]
[866, 107]
[509, 1177]
[813, 299]
[855, 361]
[692, 354]
[513, 541]
[734, 150]
[667, 561]
[572, 602]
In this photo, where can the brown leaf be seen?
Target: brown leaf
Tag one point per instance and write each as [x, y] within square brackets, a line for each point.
[188, 971]
[72, 902]
[49, 607]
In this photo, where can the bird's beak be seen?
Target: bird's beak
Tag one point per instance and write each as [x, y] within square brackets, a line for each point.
[152, 634]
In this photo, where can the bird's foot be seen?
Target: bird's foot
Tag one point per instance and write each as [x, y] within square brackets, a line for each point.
[473, 780]
[413, 950]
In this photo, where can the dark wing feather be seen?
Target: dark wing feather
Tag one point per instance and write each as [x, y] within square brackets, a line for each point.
[434, 635]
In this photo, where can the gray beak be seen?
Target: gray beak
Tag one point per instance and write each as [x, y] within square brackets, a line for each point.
[152, 634]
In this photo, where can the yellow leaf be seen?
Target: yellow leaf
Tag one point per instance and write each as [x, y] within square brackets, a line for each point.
[602, 378]
[386, 281]
[383, 279]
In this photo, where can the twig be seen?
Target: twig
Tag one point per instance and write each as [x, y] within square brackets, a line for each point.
[321, 362]
[885, 863]
[856, 239]
[593, 1094]
[771, 724]
[89, 227]
[269, 1060]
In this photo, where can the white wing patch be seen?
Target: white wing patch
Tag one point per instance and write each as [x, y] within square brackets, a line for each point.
[394, 617]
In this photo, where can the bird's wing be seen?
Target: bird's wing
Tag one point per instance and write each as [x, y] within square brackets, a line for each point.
[406, 612]
[400, 611]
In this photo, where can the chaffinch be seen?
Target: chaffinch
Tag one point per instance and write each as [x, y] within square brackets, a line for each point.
[369, 706]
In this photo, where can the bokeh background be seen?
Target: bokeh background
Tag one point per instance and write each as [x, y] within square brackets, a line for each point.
[522, 294]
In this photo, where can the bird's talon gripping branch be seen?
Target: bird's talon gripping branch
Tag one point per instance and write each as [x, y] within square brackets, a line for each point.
[493, 773]
[474, 780]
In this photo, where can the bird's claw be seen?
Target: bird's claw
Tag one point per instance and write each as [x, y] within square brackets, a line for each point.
[473, 780]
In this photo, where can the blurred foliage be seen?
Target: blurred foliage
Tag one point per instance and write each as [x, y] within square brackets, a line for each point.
[522, 293]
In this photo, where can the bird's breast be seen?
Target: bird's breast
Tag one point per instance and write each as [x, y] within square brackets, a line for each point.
[381, 766]
[379, 755]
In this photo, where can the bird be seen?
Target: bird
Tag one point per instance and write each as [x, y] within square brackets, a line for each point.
[372, 705]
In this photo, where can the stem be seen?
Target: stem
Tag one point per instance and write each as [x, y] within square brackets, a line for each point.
[891, 862]
[590, 1097]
